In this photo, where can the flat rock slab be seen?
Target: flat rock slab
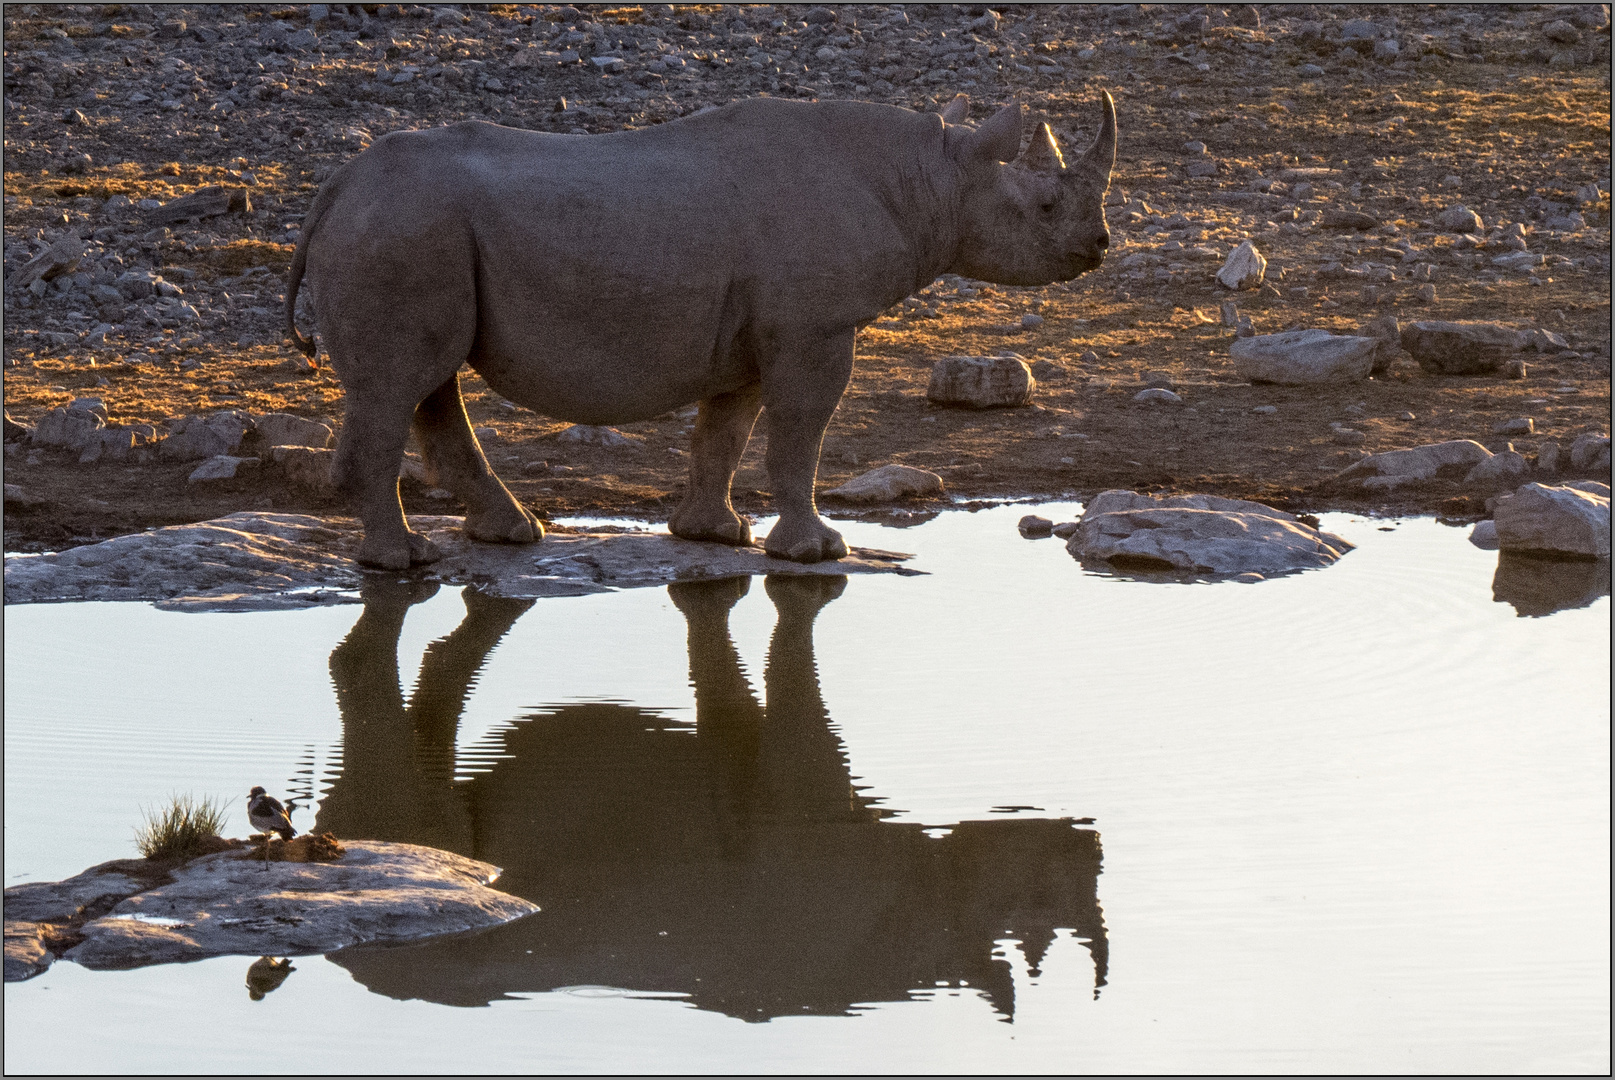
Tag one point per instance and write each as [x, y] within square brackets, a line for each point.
[1394, 468]
[229, 904]
[1199, 534]
[250, 561]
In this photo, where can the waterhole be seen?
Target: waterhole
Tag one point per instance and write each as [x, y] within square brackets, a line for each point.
[1017, 815]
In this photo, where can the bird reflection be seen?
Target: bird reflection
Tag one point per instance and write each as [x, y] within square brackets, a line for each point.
[265, 975]
[736, 864]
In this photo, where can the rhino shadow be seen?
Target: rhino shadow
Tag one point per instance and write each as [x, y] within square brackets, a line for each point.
[733, 863]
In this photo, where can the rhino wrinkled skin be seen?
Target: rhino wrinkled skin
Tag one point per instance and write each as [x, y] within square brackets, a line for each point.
[727, 258]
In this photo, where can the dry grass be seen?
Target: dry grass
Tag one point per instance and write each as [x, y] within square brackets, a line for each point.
[181, 830]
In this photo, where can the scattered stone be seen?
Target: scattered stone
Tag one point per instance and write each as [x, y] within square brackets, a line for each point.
[193, 438]
[1545, 341]
[1156, 395]
[592, 435]
[1453, 348]
[1556, 520]
[981, 382]
[1590, 452]
[68, 429]
[1393, 468]
[1200, 534]
[1035, 528]
[1304, 357]
[1065, 530]
[1506, 467]
[1266, 410]
[1518, 260]
[1202, 167]
[17, 498]
[204, 202]
[15, 432]
[1335, 218]
[60, 258]
[305, 467]
[888, 483]
[1229, 314]
[1244, 268]
[1484, 535]
[1519, 425]
[1562, 32]
[286, 429]
[1030, 321]
[1460, 218]
[114, 445]
[221, 467]
[1514, 369]
[1387, 332]
[1047, 369]
[1345, 436]
[1387, 50]
[1547, 457]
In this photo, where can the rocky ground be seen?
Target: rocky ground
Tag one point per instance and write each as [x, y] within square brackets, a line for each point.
[1339, 140]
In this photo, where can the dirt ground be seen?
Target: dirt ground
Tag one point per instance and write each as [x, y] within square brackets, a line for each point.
[1495, 108]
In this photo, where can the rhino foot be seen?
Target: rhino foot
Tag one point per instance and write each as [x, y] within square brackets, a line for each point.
[727, 529]
[397, 553]
[504, 527]
[815, 543]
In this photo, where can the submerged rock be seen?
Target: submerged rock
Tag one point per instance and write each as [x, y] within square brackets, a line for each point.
[1536, 586]
[1555, 520]
[1200, 534]
[253, 561]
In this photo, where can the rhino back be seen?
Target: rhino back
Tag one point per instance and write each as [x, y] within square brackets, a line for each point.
[669, 245]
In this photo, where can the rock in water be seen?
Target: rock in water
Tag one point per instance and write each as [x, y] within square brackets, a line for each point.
[1244, 269]
[1555, 520]
[1200, 534]
[1453, 348]
[981, 382]
[228, 904]
[887, 483]
[1304, 357]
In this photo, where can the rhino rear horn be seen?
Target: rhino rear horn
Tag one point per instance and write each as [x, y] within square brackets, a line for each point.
[1043, 153]
[1102, 154]
[955, 111]
[999, 136]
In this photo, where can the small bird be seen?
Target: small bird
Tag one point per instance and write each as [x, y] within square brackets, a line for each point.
[268, 816]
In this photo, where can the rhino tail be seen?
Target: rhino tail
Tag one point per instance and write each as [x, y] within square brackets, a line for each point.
[305, 343]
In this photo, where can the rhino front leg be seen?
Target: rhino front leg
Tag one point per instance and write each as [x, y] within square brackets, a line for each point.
[455, 458]
[366, 473]
[801, 388]
[722, 429]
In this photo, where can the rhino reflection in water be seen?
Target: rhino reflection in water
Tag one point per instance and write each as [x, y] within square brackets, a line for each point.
[735, 863]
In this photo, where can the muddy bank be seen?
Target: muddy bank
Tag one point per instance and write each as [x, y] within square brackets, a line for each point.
[1446, 164]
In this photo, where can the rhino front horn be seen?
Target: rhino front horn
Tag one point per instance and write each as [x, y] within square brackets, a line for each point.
[1102, 154]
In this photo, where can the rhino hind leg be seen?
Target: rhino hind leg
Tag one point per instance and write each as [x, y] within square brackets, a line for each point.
[801, 388]
[456, 461]
[366, 472]
[722, 429]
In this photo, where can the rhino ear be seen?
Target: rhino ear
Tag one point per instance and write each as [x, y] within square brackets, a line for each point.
[1102, 154]
[1043, 153]
[955, 111]
[997, 139]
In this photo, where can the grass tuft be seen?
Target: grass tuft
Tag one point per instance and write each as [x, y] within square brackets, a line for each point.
[181, 830]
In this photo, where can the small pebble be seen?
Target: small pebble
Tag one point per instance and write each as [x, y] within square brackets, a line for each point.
[1157, 396]
[1030, 321]
[1266, 410]
[1349, 437]
[1406, 416]
[1520, 425]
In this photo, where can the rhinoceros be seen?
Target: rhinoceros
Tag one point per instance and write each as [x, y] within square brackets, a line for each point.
[727, 258]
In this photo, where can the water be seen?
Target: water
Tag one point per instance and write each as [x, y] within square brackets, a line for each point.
[1014, 816]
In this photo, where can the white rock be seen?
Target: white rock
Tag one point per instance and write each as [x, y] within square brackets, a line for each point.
[228, 904]
[1304, 357]
[591, 435]
[887, 483]
[1590, 451]
[1418, 463]
[221, 467]
[1244, 269]
[1518, 260]
[285, 429]
[1559, 520]
[1504, 468]
[1202, 534]
[981, 382]
[1157, 395]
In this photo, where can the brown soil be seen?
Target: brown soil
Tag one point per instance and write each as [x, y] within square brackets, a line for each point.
[1521, 136]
